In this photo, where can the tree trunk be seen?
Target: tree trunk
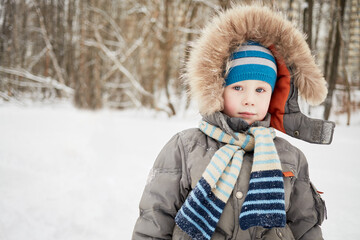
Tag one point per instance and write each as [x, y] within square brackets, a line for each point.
[307, 22]
[335, 59]
[329, 44]
[24, 33]
[319, 17]
[82, 74]
[68, 45]
[290, 10]
[166, 47]
[225, 4]
[95, 80]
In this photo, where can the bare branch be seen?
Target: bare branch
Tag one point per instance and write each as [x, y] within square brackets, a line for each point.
[37, 59]
[136, 44]
[26, 83]
[133, 98]
[5, 96]
[48, 45]
[10, 99]
[116, 28]
[120, 104]
[117, 85]
[108, 74]
[189, 30]
[45, 80]
[209, 4]
[119, 65]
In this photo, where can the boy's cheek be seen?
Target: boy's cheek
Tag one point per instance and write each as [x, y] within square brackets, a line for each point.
[264, 112]
[227, 110]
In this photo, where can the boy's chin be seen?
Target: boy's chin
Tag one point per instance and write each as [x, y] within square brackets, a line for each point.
[249, 119]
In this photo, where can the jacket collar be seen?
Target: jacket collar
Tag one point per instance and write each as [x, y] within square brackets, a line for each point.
[230, 125]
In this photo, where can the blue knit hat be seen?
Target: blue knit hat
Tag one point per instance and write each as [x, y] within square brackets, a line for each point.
[252, 61]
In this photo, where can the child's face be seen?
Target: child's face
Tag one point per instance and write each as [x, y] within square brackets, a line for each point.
[248, 100]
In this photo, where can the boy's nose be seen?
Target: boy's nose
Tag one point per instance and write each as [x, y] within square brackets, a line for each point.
[248, 100]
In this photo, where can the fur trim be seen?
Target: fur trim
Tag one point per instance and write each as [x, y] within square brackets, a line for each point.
[206, 65]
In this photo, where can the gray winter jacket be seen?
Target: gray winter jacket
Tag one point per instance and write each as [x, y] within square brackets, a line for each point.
[180, 165]
[182, 161]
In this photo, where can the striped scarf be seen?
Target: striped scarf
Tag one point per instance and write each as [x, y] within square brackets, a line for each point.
[264, 204]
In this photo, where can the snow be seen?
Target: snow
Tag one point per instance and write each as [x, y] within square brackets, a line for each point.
[72, 174]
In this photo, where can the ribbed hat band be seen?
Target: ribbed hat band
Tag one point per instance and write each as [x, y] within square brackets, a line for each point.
[252, 61]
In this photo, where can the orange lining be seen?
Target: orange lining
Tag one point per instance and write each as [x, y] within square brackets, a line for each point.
[288, 174]
[280, 94]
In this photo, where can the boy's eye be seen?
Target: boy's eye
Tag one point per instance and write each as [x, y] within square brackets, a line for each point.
[237, 88]
[260, 90]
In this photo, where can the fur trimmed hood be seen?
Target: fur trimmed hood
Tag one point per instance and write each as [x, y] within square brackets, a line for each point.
[206, 63]
[298, 70]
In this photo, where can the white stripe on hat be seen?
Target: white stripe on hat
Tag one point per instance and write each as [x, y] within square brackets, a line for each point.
[243, 48]
[253, 60]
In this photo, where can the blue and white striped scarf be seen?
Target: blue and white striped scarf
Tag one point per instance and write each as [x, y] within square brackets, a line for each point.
[264, 203]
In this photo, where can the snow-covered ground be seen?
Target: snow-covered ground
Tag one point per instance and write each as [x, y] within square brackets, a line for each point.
[70, 174]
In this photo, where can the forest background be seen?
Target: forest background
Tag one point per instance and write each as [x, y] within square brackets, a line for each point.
[130, 54]
[81, 81]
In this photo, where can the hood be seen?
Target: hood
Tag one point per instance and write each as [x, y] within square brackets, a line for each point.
[297, 70]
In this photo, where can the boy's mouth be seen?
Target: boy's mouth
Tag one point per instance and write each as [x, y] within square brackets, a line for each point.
[246, 114]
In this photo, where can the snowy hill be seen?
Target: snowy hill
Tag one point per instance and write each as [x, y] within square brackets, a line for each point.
[70, 174]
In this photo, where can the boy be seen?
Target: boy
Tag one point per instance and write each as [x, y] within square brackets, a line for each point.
[232, 178]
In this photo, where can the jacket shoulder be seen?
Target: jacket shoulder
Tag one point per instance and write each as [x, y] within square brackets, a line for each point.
[191, 135]
[194, 138]
[177, 148]
[190, 132]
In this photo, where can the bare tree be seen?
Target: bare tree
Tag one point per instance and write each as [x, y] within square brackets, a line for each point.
[308, 21]
[129, 54]
[335, 58]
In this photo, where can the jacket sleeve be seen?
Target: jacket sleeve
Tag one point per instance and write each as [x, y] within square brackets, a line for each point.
[164, 193]
[307, 209]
